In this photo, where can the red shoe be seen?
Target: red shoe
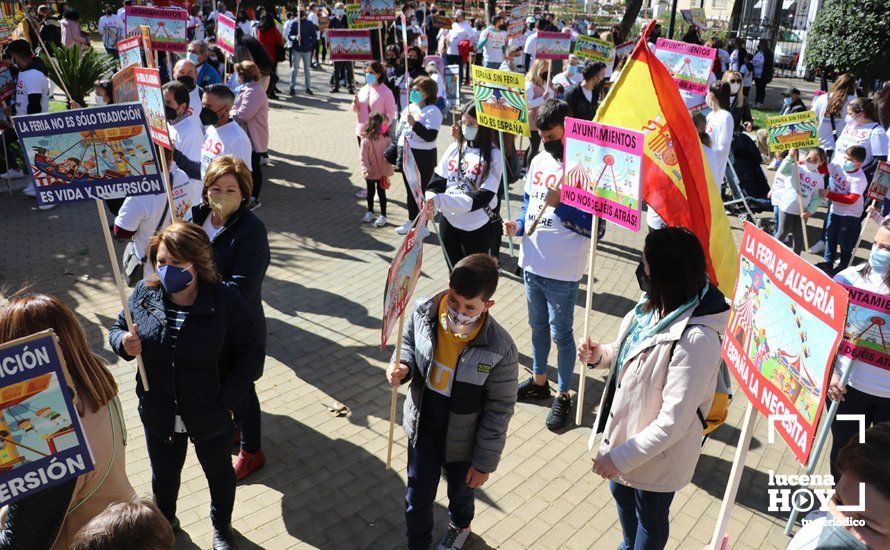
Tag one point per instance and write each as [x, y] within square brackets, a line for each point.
[247, 463]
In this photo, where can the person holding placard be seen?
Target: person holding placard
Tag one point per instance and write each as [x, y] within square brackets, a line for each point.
[241, 255]
[663, 371]
[52, 517]
[461, 366]
[177, 312]
[553, 258]
[864, 130]
[867, 391]
[464, 187]
[536, 92]
[186, 132]
[112, 30]
[847, 185]
[785, 195]
[303, 40]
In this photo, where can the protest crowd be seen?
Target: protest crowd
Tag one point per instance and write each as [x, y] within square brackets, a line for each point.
[590, 126]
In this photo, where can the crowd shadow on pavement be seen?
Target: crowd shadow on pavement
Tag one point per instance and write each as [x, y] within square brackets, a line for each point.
[290, 297]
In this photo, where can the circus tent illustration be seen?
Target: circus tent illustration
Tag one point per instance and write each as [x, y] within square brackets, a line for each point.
[578, 177]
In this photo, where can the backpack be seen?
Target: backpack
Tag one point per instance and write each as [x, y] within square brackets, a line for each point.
[719, 410]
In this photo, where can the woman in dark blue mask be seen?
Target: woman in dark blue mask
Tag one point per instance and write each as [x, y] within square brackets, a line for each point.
[202, 351]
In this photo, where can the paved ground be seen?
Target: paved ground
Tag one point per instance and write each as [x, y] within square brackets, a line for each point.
[325, 484]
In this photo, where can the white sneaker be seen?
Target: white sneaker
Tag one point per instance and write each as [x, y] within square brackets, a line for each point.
[380, 221]
[817, 248]
[369, 217]
[30, 191]
[13, 173]
[361, 194]
[404, 228]
[454, 538]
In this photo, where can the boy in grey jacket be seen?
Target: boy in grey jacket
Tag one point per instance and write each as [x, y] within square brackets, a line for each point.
[462, 366]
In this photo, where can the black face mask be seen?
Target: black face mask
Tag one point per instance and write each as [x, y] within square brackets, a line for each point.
[170, 113]
[208, 117]
[554, 148]
[502, 28]
[645, 281]
[187, 81]
[413, 63]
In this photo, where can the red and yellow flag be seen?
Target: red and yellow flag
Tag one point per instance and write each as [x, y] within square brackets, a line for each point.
[675, 181]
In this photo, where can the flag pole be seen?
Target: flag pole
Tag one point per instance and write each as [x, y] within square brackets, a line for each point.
[588, 305]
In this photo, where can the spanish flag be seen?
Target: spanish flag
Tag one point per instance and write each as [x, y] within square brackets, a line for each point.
[675, 181]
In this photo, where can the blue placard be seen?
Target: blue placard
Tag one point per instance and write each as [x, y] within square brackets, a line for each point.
[88, 154]
[41, 439]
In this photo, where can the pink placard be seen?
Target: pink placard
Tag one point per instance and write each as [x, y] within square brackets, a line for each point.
[689, 64]
[603, 166]
[225, 34]
[553, 45]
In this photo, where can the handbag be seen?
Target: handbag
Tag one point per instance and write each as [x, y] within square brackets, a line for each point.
[280, 54]
[133, 261]
[392, 154]
[384, 182]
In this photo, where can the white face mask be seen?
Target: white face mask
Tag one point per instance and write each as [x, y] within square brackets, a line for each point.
[811, 166]
[469, 132]
[458, 323]
[734, 87]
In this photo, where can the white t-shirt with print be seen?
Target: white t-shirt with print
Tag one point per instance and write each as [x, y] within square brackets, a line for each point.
[870, 135]
[531, 44]
[719, 127]
[228, 139]
[820, 105]
[552, 251]
[194, 108]
[455, 202]
[111, 27]
[31, 81]
[845, 183]
[495, 41]
[808, 183]
[428, 116]
[142, 213]
[455, 35]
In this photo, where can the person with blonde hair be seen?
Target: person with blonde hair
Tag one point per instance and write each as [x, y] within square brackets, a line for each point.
[136, 523]
[241, 254]
[185, 316]
[536, 91]
[738, 104]
[50, 518]
[251, 111]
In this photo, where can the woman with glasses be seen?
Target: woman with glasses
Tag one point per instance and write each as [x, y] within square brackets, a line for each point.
[738, 103]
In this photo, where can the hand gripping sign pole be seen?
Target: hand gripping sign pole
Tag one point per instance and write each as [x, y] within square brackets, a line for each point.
[588, 305]
[119, 282]
[506, 186]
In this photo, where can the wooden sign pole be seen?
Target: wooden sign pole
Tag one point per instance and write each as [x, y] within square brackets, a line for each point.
[506, 185]
[119, 282]
[588, 305]
[167, 185]
[394, 395]
[796, 183]
[861, 235]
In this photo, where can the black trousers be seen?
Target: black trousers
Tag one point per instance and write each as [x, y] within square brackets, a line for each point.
[760, 90]
[873, 408]
[257, 173]
[459, 244]
[166, 469]
[426, 163]
[374, 187]
[343, 71]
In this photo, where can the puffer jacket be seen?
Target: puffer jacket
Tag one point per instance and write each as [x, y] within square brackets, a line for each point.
[218, 355]
[483, 394]
[653, 433]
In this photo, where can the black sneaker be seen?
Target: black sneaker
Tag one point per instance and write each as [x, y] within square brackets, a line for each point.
[529, 390]
[559, 412]
[224, 538]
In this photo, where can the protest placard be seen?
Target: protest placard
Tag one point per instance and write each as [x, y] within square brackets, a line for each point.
[784, 327]
[695, 17]
[225, 34]
[553, 45]
[130, 51]
[594, 49]
[442, 21]
[145, 32]
[96, 153]
[166, 25]
[452, 86]
[867, 334]
[350, 45]
[689, 64]
[792, 131]
[625, 49]
[354, 20]
[377, 10]
[42, 442]
[124, 84]
[880, 182]
[500, 100]
[603, 167]
[7, 27]
[148, 88]
[410, 168]
[7, 81]
[515, 28]
[404, 271]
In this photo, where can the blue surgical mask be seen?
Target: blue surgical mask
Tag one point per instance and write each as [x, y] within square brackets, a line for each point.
[849, 166]
[787, 101]
[879, 260]
[192, 57]
[415, 97]
[370, 79]
[573, 69]
[174, 279]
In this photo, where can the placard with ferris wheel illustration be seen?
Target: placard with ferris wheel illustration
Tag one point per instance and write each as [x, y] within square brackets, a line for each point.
[603, 166]
[689, 64]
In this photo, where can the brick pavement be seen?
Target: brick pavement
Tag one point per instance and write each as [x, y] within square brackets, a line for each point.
[325, 484]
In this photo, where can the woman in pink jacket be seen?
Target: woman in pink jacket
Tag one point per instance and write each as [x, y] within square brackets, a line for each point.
[251, 111]
[71, 32]
[663, 374]
[375, 95]
[375, 169]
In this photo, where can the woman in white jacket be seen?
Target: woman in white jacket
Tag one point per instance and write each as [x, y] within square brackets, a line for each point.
[663, 373]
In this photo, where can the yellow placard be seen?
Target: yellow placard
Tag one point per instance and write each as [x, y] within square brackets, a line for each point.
[500, 100]
[594, 49]
[792, 131]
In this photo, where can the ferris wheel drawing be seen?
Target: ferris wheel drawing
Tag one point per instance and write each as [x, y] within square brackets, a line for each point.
[867, 328]
[604, 171]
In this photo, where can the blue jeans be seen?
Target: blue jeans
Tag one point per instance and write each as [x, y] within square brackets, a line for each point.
[305, 58]
[643, 516]
[425, 463]
[551, 311]
[843, 231]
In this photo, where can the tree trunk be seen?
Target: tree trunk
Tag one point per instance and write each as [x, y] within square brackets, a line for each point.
[631, 11]
[490, 9]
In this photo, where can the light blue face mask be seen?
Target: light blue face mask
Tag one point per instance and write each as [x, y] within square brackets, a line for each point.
[370, 79]
[849, 166]
[415, 97]
[879, 260]
[573, 69]
[787, 101]
[192, 57]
